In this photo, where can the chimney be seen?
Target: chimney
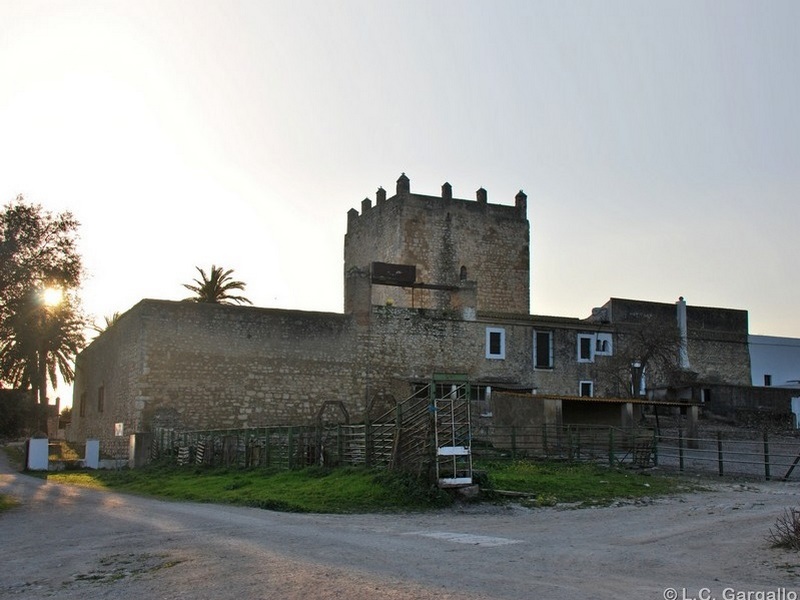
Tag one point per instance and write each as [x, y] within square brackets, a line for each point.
[447, 191]
[380, 196]
[683, 362]
[481, 194]
[403, 185]
[366, 204]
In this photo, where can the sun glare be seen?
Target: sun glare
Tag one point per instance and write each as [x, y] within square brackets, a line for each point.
[52, 296]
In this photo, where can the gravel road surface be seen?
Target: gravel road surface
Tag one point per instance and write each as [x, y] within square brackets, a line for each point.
[70, 542]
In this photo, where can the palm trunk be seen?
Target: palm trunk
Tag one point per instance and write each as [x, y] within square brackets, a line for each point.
[42, 376]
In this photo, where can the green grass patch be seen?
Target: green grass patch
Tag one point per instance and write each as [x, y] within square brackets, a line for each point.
[585, 483]
[90, 479]
[7, 502]
[61, 450]
[361, 490]
[347, 490]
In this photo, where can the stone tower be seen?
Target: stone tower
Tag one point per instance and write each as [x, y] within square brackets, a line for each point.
[438, 252]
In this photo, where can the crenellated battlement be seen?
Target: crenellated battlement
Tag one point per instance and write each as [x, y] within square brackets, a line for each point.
[450, 241]
[403, 194]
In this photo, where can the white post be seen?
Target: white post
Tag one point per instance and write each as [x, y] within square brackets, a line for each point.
[38, 453]
[92, 460]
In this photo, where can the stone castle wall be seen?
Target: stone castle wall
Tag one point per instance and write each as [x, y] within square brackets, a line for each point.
[213, 366]
[717, 338]
[205, 366]
[407, 346]
[113, 363]
[208, 366]
[718, 349]
[566, 373]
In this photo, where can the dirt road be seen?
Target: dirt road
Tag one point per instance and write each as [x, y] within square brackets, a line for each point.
[67, 542]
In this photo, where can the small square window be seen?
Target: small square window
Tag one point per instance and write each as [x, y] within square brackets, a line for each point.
[767, 380]
[586, 389]
[495, 343]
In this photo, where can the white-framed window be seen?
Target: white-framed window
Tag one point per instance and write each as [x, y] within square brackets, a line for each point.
[542, 349]
[594, 344]
[603, 345]
[586, 347]
[495, 342]
[586, 388]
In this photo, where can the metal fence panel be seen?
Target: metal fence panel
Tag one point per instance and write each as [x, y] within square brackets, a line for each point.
[379, 444]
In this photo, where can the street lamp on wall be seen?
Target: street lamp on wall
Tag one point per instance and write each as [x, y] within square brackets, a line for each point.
[636, 378]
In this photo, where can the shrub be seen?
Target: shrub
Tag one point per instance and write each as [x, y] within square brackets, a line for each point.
[786, 531]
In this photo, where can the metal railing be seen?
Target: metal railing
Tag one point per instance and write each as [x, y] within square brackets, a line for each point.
[614, 445]
[768, 455]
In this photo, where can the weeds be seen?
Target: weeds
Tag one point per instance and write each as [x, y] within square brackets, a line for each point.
[786, 531]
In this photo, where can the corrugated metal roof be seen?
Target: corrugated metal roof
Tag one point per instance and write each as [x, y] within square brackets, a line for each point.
[598, 400]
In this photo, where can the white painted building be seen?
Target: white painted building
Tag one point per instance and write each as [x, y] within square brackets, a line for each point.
[774, 361]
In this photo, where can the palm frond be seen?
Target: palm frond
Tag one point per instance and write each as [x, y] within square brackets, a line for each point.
[215, 287]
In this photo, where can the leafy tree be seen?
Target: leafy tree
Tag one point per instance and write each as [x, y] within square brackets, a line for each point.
[38, 339]
[215, 287]
[37, 249]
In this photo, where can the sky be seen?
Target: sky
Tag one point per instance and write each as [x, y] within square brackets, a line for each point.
[658, 142]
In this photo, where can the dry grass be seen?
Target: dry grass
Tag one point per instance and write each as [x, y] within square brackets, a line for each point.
[786, 531]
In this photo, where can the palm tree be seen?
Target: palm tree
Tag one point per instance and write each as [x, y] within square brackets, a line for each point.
[40, 341]
[109, 321]
[216, 287]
